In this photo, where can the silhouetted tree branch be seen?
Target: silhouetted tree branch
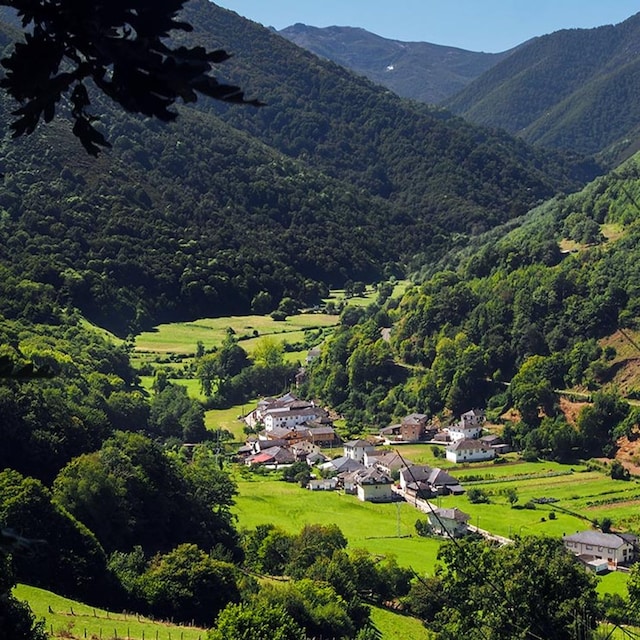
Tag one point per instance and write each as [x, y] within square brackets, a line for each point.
[119, 44]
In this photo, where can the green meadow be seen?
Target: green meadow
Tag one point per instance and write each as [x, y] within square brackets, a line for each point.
[395, 626]
[66, 618]
[229, 420]
[182, 337]
[579, 498]
[383, 529]
[390, 528]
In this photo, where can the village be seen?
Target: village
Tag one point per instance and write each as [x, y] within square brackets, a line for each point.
[288, 430]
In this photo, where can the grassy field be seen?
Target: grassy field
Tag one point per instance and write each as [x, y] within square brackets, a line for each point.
[574, 487]
[182, 337]
[384, 529]
[228, 419]
[580, 497]
[614, 582]
[394, 626]
[66, 618]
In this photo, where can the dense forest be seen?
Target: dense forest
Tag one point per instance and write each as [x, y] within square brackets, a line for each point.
[334, 179]
[505, 324]
[572, 89]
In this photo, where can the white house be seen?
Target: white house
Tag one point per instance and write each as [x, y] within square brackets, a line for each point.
[615, 548]
[322, 484]
[467, 450]
[468, 427]
[357, 449]
[291, 416]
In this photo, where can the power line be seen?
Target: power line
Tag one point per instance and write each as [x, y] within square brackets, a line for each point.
[479, 572]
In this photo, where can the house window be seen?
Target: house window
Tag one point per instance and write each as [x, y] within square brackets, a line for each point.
[589, 547]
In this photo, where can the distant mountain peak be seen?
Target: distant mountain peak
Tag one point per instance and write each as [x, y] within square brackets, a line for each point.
[418, 70]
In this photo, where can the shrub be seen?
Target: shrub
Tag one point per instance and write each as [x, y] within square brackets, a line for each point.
[477, 496]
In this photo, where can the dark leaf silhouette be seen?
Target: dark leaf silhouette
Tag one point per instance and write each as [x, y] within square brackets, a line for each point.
[119, 45]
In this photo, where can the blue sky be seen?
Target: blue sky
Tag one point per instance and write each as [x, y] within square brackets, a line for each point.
[476, 25]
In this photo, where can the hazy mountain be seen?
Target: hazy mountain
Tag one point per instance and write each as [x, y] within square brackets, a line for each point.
[573, 89]
[418, 70]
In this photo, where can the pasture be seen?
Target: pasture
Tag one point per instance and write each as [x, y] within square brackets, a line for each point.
[65, 618]
[390, 528]
[382, 529]
[182, 337]
[395, 626]
[228, 419]
[578, 497]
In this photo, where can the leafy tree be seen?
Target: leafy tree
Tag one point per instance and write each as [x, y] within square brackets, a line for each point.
[122, 48]
[315, 606]
[633, 586]
[65, 556]
[533, 587]
[597, 423]
[131, 492]
[312, 542]
[211, 486]
[476, 495]
[17, 621]
[187, 584]
[512, 495]
[215, 369]
[274, 553]
[619, 471]
[268, 352]
[160, 381]
[174, 414]
[128, 411]
[297, 472]
[256, 621]
[426, 597]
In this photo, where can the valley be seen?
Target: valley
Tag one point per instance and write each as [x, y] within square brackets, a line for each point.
[399, 301]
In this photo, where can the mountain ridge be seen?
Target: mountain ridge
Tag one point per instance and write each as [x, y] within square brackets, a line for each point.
[418, 70]
[563, 90]
[335, 179]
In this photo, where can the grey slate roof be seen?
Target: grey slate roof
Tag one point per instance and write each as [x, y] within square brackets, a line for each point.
[597, 538]
[452, 514]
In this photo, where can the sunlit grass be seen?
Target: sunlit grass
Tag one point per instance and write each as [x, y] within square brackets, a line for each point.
[183, 337]
[65, 618]
[395, 626]
[382, 529]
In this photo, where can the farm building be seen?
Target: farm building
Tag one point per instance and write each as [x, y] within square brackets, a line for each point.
[468, 427]
[373, 485]
[448, 522]
[615, 548]
[357, 449]
[467, 450]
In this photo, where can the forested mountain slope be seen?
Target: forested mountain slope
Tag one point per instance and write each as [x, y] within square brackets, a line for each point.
[573, 89]
[525, 305]
[417, 70]
[334, 179]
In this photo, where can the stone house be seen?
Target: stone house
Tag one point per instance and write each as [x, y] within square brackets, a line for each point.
[449, 522]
